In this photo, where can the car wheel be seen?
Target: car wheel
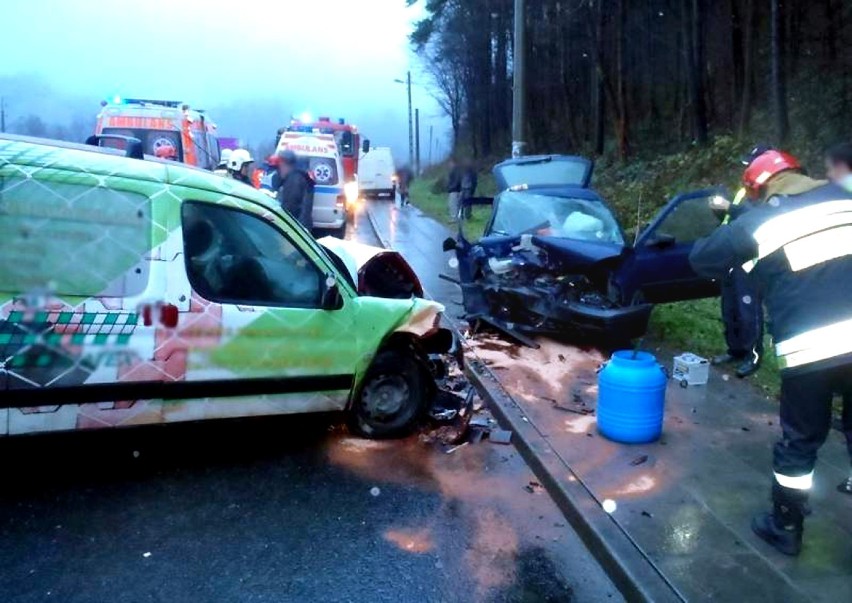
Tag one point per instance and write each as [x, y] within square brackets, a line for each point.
[340, 233]
[392, 397]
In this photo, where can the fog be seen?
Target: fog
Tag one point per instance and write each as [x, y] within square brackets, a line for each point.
[251, 64]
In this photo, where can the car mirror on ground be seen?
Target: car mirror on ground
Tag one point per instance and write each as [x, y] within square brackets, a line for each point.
[365, 146]
[449, 244]
[331, 298]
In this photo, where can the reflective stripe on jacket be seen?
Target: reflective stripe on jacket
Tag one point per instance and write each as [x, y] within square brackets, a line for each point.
[799, 250]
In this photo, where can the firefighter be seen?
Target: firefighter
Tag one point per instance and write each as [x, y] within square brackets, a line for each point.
[794, 244]
[742, 308]
[222, 167]
[239, 166]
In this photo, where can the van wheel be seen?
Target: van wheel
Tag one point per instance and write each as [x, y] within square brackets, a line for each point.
[392, 398]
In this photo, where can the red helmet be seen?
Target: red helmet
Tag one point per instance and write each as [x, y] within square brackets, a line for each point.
[165, 151]
[765, 166]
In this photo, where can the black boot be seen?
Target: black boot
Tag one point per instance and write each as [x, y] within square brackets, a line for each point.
[783, 527]
[748, 367]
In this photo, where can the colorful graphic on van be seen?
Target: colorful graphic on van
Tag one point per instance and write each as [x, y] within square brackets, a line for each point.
[97, 292]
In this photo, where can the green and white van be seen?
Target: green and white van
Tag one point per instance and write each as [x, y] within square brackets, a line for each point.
[141, 291]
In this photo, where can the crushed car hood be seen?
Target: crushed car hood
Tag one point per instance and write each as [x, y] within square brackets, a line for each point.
[576, 254]
[375, 271]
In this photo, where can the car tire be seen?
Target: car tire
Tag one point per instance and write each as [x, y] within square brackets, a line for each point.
[340, 233]
[392, 397]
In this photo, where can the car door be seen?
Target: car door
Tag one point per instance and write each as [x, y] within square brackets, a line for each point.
[658, 270]
[252, 322]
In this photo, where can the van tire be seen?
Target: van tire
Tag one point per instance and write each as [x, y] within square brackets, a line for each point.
[396, 381]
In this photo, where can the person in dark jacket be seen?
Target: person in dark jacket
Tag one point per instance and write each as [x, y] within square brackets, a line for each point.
[468, 187]
[405, 176]
[454, 179]
[795, 244]
[295, 189]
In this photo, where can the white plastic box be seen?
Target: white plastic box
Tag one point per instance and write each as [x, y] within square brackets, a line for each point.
[689, 369]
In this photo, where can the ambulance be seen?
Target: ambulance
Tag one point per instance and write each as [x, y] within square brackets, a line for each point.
[319, 156]
[161, 126]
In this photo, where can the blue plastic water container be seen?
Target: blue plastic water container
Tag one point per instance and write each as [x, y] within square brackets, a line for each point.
[631, 398]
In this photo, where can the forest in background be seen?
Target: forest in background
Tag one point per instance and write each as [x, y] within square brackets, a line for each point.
[637, 78]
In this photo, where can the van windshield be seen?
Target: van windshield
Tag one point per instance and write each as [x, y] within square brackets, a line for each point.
[151, 139]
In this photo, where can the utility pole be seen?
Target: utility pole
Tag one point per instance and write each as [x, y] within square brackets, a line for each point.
[430, 147]
[410, 123]
[518, 89]
[417, 141]
[2, 115]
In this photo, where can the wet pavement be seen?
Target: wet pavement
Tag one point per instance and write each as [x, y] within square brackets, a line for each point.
[686, 501]
[280, 509]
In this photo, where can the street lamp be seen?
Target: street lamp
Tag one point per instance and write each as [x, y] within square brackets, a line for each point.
[407, 83]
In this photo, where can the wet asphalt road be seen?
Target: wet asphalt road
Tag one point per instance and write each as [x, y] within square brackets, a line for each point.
[280, 509]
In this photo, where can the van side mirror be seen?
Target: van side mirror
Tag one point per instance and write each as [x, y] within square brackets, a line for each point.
[449, 244]
[331, 297]
[365, 146]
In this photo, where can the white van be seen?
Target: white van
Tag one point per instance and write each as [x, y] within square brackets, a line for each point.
[376, 173]
[318, 155]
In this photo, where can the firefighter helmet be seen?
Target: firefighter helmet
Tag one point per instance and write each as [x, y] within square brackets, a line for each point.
[224, 156]
[765, 166]
[238, 159]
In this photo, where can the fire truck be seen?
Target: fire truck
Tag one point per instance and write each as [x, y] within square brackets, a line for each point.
[345, 135]
[166, 129]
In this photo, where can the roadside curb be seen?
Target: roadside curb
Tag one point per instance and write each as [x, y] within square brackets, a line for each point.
[631, 571]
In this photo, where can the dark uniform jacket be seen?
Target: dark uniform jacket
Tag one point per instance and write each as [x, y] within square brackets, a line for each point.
[799, 249]
[296, 195]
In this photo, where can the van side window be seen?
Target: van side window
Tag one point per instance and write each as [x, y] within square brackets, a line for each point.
[235, 257]
[73, 239]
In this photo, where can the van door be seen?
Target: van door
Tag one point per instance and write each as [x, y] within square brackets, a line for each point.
[253, 324]
[78, 273]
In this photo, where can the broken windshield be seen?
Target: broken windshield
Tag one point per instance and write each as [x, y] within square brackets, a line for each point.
[520, 212]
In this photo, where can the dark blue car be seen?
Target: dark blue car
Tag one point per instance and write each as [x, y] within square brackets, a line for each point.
[554, 259]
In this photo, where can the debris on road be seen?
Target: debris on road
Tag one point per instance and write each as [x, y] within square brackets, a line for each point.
[375, 491]
[454, 448]
[146, 554]
[639, 460]
[500, 436]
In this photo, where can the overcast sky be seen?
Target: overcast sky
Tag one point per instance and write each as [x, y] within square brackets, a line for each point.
[250, 63]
